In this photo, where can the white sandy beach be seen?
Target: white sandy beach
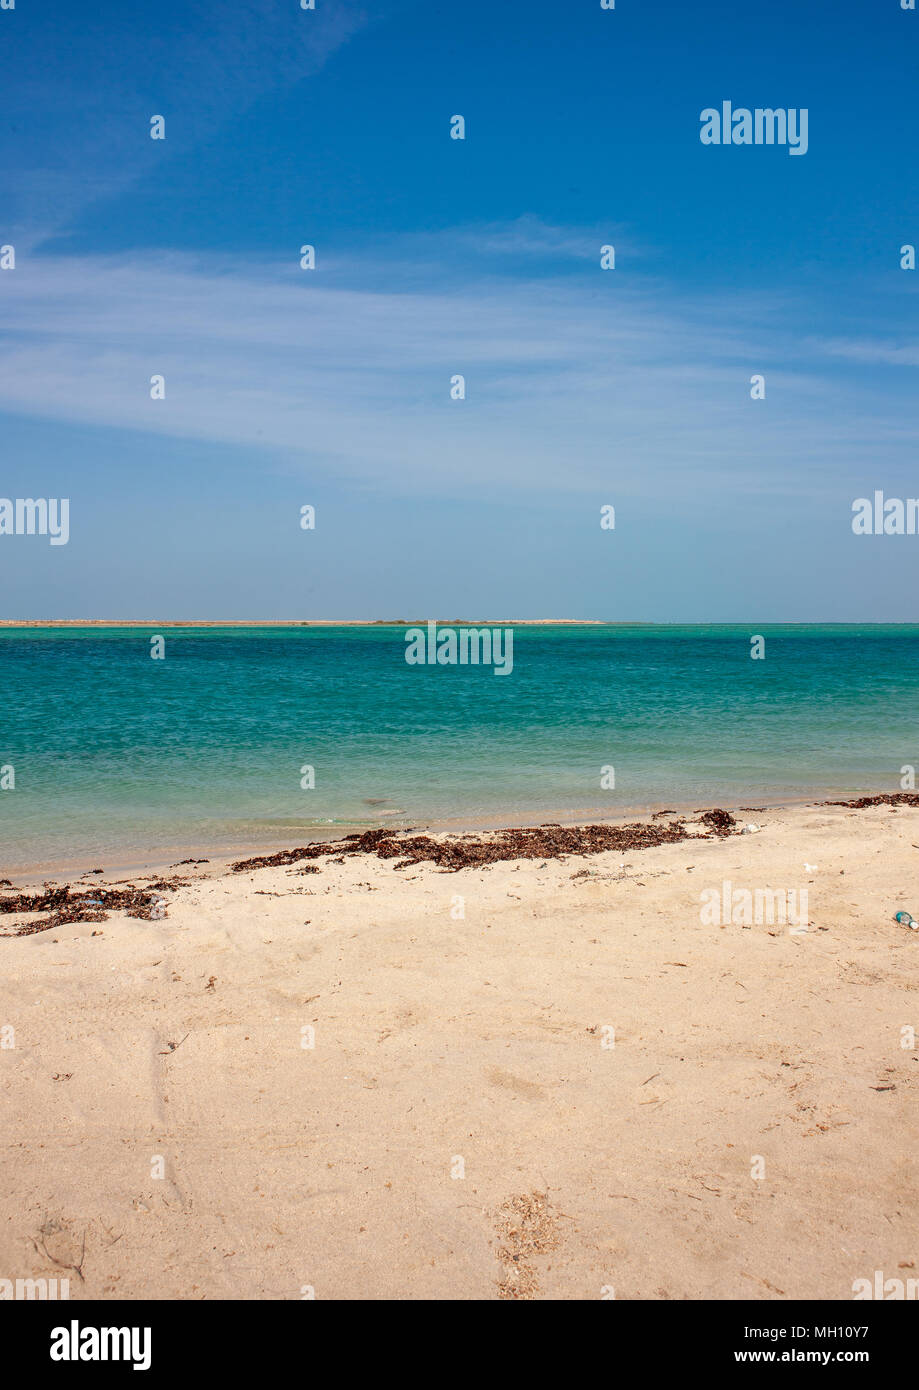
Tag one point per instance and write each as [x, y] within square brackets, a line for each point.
[460, 1127]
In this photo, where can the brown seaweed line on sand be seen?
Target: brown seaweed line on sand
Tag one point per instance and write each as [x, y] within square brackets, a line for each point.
[886, 799]
[67, 904]
[467, 851]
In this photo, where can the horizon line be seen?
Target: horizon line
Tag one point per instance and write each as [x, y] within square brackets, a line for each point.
[449, 622]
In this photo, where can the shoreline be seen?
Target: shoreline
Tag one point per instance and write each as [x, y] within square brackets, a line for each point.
[161, 860]
[579, 836]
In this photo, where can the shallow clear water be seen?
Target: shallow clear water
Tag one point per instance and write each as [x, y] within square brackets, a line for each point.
[115, 753]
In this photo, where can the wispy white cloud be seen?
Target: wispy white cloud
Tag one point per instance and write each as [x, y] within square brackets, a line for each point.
[523, 239]
[891, 354]
[583, 383]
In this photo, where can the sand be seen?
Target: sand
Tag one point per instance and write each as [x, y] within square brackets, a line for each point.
[456, 1125]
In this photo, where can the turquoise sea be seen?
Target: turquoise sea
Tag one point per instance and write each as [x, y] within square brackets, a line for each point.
[118, 757]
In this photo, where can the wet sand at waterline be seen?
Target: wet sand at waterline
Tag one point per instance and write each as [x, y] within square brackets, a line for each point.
[378, 1082]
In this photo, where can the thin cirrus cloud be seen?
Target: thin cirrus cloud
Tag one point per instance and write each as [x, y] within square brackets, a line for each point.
[570, 380]
[892, 354]
[526, 238]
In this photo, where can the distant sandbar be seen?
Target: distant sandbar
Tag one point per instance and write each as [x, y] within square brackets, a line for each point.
[297, 622]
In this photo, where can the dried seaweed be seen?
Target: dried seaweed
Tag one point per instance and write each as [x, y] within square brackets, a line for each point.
[66, 904]
[470, 851]
[719, 822]
[886, 799]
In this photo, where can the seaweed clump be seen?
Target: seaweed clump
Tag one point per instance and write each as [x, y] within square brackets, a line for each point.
[885, 799]
[67, 904]
[471, 851]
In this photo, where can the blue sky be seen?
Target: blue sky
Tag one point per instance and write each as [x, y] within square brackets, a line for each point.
[479, 257]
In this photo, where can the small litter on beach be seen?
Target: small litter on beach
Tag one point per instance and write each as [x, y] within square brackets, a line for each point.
[906, 919]
[751, 830]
